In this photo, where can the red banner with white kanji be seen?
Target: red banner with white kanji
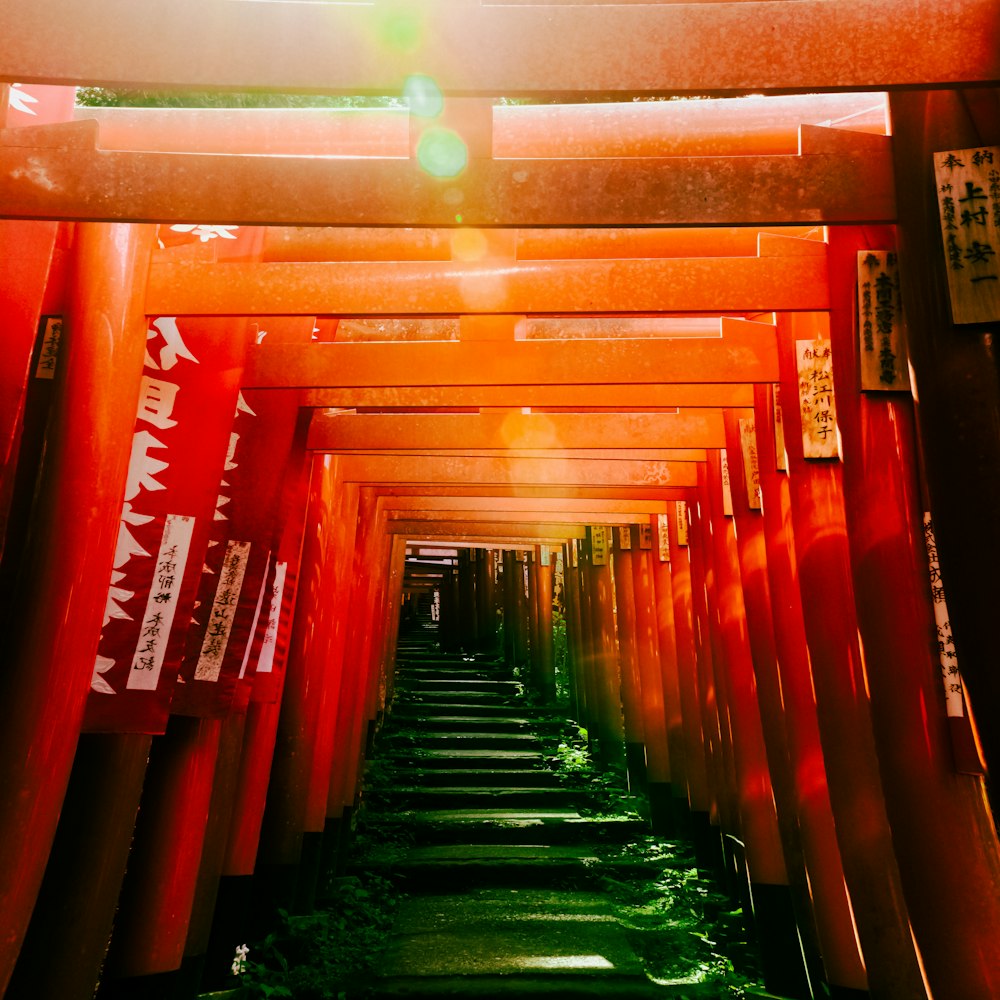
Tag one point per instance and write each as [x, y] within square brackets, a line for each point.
[188, 394]
[234, 594]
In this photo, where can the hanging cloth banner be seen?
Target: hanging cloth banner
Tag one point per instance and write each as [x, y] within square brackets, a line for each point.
[188, 394]
[232, 593]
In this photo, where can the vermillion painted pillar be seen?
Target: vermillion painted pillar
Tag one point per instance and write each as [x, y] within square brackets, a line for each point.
[934, 811]
[678, 664]
[607, 686]
[839, 680]
[280, 849]
[722, 783]
[231, 921]
[543, 663]
[509, 607]
[838, 942]
[957, 384]
[55, 619]
[659, 776]
[224, 789]
[770, 895]
[523, 611]
[574, 633]
[467, 599]
[154, 911]
[628, 660]
[486, 603]
[532, 609]
[76, 903]
[449, 627]
[752, 569]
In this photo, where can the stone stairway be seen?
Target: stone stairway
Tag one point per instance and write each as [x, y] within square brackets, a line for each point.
[501, 871]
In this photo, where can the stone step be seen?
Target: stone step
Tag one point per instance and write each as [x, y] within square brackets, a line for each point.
[475, 760]
[444, 777]
[443, 867]
[515, 943]
[463, 741]
[458, 674]
[464, 724]
[467, 686]
[472, 797]
[418, 709]
[457, 696]
[512, 826]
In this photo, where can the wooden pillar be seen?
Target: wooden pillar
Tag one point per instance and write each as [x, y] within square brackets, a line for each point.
[772, 905]
[678, 663]
[934, 811]
[628, 660]
[449, 626]
[467, 600]
[510, 626]
[831, 907]
[607, 686]
[532, 611]
[543, 663]
[841, 691]
[54, 621]
[486, 603]
[722, 782]
[154, 911]
[957, 384]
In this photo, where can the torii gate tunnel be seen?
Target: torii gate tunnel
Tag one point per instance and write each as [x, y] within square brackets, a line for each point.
[574, 314]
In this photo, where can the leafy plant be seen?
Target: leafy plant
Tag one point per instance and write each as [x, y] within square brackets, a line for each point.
[316, 956]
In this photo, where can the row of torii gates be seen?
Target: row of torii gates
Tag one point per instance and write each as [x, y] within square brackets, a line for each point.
[591, 330]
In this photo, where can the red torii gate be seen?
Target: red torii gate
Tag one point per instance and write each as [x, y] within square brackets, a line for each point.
[837, 551]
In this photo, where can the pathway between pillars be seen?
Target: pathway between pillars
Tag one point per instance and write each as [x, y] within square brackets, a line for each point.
[503, 875]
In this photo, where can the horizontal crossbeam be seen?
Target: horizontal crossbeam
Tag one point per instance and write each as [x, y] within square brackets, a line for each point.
[513, 49]
[57, 172]
[342, 432]
[704, 284]
[747, 352]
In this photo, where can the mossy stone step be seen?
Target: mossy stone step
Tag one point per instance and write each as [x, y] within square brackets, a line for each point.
[429, 685]
[540, 777]
[458, 696]
[457, 797]
[474, 760]
[514, 826]
[420, 708]
[420, 724]
[465, 741]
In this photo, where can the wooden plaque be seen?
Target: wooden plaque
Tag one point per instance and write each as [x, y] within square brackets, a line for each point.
[599, 545]
[751, 468]
[968, 194]
[663, 537]
[882, 356]
[682, 521]
[645, 536]
[817, 407]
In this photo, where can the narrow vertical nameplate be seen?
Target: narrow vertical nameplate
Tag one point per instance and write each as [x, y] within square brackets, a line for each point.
[727, 491]
[574, 554]
[543, 555]
[663, 537]
[781, 456]
[265, 663]
[953, 690]
[220, 618]
[682, 521]
[253, 627]
[175, 543]
[968, 195]
[48, 353]
[882, 353]
[599, 545]
[645, 536]
[751, 467]
[817, 408]
[624, 537]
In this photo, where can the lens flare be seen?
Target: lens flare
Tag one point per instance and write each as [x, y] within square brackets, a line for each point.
[402, 31]
[424, 96]
[442, 153]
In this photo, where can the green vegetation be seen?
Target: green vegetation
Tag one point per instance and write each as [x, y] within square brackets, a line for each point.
[319, 955]
[682, 926]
